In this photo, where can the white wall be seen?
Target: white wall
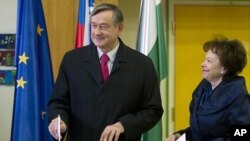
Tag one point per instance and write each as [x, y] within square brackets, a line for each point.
[6, 104]
[8, 11]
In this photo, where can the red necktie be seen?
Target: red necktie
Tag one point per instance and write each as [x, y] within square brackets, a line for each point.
[104, 66]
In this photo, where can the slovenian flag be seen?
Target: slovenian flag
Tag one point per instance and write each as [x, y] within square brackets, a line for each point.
[83, 28]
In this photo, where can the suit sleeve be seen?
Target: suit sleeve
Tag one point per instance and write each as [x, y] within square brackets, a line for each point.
[149, 110]
[59, 101]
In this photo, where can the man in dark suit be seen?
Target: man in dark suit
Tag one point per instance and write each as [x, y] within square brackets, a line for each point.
[98, 106]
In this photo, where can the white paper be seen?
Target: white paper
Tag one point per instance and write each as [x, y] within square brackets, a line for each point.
[58, 127]
[182, 137]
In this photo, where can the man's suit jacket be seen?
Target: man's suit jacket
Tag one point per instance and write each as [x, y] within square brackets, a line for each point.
[87, 105]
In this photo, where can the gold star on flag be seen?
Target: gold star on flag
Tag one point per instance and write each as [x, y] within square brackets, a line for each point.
[39, 30]
[21, 83]
[23, 58]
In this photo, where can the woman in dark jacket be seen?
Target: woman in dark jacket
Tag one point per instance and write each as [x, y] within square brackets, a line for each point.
[221, 99]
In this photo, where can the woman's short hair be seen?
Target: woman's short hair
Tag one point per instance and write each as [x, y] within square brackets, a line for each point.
[232, 54]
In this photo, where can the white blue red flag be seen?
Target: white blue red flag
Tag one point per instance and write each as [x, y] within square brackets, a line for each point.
[83, 28]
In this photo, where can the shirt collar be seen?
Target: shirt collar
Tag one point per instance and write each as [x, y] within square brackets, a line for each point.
[111, 54]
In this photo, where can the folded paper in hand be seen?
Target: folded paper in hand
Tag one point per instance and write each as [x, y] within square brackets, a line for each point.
[182, 137]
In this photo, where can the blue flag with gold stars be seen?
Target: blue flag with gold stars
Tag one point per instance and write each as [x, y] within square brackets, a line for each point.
[34, 78]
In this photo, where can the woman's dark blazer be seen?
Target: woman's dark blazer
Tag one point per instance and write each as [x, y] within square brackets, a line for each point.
[229, 104]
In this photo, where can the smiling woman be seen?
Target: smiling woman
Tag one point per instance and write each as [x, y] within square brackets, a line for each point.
[212, 69]
[221, 99]
[194, 24]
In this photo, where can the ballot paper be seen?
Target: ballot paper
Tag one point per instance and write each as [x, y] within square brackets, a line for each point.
[58, 128]
[182, 137]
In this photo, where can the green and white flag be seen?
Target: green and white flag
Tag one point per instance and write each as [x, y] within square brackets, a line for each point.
[151, 42]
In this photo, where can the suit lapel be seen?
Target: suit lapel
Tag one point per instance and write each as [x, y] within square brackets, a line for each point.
[121, 57]
[92, 63]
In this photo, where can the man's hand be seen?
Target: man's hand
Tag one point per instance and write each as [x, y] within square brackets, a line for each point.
[53, 128]
[112, 132]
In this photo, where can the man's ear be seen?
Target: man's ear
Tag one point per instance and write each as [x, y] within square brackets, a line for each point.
[120, 29]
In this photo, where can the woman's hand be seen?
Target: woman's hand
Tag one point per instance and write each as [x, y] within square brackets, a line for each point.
[172, 137]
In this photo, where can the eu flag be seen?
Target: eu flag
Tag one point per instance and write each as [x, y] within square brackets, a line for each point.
[34, 79]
